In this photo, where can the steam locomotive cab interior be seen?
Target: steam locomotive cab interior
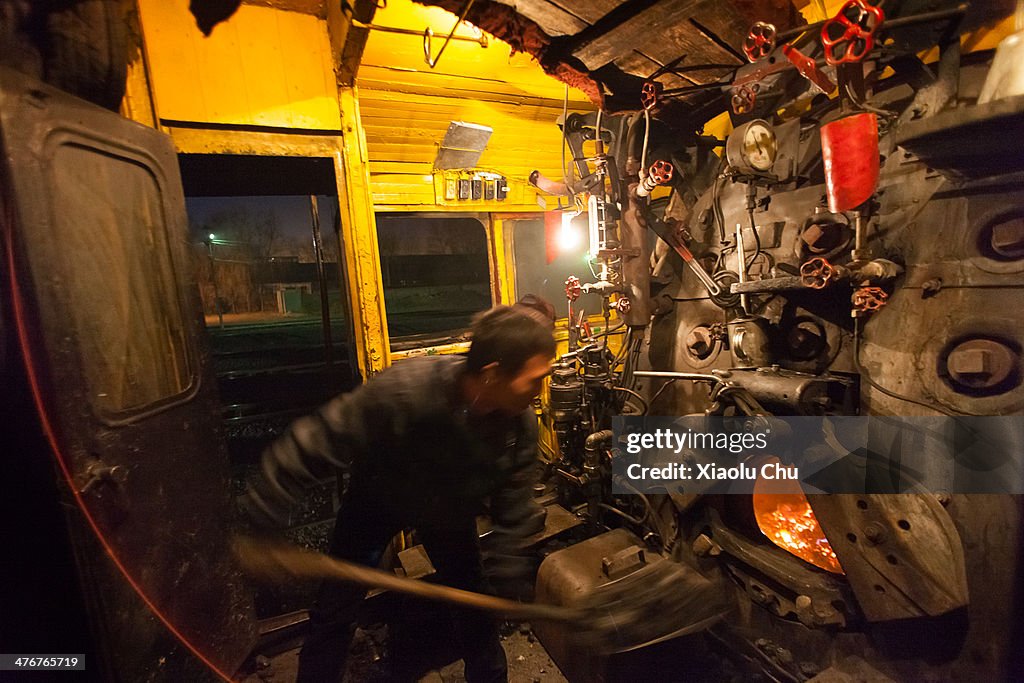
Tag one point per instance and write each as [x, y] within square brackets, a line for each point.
[744, 213]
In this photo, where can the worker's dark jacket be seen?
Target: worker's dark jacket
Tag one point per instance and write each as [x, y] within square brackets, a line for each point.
[410, 442]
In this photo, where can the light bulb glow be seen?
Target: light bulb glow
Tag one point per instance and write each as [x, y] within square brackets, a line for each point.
[569, 237]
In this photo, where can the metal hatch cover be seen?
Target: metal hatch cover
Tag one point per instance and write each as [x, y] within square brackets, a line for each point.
[111, 331]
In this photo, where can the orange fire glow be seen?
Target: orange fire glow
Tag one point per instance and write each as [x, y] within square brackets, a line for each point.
[787, 519]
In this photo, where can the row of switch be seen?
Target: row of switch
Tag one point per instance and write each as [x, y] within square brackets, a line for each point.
[475, 188]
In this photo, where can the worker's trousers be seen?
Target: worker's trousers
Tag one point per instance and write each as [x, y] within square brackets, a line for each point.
[361, 533]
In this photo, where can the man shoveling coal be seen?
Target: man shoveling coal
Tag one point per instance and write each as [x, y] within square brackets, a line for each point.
[425, 444]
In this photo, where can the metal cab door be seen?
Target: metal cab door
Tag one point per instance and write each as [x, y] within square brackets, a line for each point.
[108, 319]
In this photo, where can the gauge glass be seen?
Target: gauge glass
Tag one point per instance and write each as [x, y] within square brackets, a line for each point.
[759, 146]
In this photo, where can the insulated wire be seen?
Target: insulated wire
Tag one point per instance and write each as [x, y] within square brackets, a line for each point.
[643, 403]
[647, 135]
[867, 107]
[622, 350]
[651, 515]
[662, 389]
[875, 385]
[565, 141]
[757, 243]
[716, 202]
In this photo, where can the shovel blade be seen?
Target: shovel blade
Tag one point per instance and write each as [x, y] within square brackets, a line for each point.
[661, 601]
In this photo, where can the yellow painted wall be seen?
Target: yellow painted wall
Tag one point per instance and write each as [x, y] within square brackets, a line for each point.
[263, 66]
[406, 107]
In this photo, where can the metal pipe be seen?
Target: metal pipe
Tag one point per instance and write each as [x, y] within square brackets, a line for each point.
[693, 376]
[741, 255]
[775, 284]
[596, 439]
[696, 88]
[428, 33]
[629, 518]
[890, 24]
[481, 41]
[926, 17]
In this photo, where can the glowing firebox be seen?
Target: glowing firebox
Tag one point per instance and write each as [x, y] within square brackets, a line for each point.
[787, 519]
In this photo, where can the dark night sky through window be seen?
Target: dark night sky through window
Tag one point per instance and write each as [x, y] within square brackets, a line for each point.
[281, 225]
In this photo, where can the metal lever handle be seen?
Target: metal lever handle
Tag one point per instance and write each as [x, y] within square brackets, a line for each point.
[691, 261]
[702, 275]
[99, 474]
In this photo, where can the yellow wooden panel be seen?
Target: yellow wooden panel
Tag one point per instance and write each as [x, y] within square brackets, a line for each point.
[410, 127]
[406, 108]
[261, 67]
[359, 232]
[402, 167]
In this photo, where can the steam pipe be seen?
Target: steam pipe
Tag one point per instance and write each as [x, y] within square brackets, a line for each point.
[591, 445]
[636, 269]
[890, 24]
[632, 160]
[692, 376]
[742, 267]
[591, 471]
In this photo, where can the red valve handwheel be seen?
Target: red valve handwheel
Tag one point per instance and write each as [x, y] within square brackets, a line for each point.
[661, 172]
[760, 42]
[573, 288]
[816, 273]
[849, 36]
[744, 98]
[869, 298]
[650, 94]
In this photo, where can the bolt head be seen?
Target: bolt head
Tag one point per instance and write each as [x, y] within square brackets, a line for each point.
[1008, 238]
[874, 533]
[981, 363]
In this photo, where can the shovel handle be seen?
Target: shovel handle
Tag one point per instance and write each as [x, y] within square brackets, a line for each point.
[273, 561]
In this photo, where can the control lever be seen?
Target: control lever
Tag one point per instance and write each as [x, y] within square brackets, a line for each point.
[691, 261]
[667, 232]
[808, 69]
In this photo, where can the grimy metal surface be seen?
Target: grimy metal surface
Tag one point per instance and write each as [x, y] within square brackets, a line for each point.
[142, 472]
[948, 339]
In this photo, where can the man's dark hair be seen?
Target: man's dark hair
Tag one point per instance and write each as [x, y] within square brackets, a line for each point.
[509, 337]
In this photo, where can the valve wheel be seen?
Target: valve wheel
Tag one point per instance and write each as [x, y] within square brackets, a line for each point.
[661, 172]
[744, 98]
[849, 36]
[869, 298]
[573, 288]
[817, 273]
[650, 94]
[760, 41]
[622, 305]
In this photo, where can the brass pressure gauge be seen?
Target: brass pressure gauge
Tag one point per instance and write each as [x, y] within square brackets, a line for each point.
[752, 147]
